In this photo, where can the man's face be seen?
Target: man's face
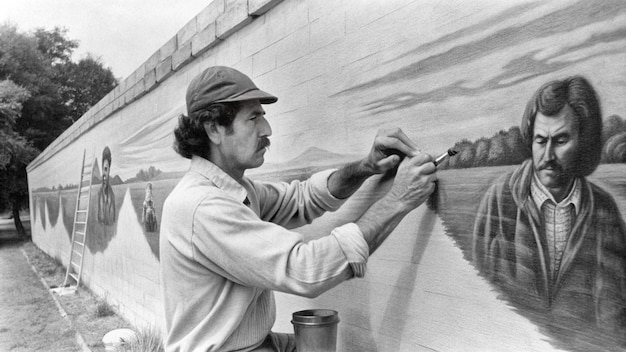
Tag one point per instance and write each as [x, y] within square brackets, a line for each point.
[105, 171]
[244, 146]
[554, 148]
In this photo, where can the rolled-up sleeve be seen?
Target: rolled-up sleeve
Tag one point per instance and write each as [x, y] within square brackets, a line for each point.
[354, 247]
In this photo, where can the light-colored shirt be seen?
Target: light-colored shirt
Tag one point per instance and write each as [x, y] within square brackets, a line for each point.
[558, 218]
[221, 259]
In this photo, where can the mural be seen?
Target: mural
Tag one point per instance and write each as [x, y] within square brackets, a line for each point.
[451, 75]
[106, 197]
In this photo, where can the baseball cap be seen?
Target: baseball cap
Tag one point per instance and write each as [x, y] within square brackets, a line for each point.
[220, 84]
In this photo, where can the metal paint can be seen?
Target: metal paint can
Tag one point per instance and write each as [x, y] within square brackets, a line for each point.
[315, 330]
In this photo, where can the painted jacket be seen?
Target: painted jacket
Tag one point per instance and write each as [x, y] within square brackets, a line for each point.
[510, 249]
[106, 205]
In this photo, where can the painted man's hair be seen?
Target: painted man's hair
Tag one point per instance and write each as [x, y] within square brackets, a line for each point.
[191, 138]
[578, 93]
[106, 155]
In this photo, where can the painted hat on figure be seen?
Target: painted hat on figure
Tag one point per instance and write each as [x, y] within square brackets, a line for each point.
[220, 84]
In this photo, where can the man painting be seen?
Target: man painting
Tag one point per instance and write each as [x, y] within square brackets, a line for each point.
[106, 197]
[552, 241]
[227, 242]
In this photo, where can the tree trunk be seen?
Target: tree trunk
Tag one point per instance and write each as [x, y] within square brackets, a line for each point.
[21, 231]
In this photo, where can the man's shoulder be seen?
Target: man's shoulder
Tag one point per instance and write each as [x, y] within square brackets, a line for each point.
[192, 189]
[602, 199]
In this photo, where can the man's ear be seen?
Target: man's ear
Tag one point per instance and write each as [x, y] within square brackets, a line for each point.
[213, 132]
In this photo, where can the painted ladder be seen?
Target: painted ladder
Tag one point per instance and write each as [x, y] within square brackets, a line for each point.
[79, 230]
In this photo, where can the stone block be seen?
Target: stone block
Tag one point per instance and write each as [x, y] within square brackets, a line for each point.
[264, 61]
[107, 110]
[150, 79]
[209, 14]
[259, 7]
[293, 47]
[181, 56]
[168, 48]
[187, 32]
[139, 89]
[164, 69]
[118, 103]
[204, 40]
[152, 61]
[234, 18]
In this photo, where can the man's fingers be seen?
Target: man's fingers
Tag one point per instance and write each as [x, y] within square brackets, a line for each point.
[388, 143]
[389, 162]
[424, 159]
[398, 140]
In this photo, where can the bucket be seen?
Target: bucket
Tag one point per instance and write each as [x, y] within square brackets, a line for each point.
[315, 330]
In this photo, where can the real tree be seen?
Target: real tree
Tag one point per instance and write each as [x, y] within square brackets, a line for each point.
[43, 93]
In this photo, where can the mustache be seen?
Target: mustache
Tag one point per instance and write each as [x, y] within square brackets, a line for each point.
[552, 164]
[264, 142]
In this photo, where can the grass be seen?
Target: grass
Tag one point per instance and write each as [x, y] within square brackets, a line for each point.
[148, 340]
[81, 307]
[103, 309]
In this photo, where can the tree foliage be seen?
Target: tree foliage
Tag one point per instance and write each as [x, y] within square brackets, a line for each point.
[42, 92]
[60, 90]
[503, 148]
[15, 152]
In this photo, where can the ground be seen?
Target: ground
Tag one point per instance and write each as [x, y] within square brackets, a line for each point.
[30, 316]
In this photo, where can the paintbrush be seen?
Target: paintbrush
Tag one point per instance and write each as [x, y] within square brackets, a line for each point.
[443, 156]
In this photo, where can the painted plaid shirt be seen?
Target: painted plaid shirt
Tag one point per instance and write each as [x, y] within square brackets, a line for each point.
[559, 218]
[225, 247]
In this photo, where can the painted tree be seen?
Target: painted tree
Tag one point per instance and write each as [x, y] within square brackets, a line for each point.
[611, 126]
[482, 152]
[516, 149]
[497, 151]
[614, 150]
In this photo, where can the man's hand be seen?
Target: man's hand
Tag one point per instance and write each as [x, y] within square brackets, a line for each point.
[415, 180]
[389, 147]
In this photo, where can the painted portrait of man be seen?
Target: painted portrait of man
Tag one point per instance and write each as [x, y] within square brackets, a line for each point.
[553, 242]
[106, 197]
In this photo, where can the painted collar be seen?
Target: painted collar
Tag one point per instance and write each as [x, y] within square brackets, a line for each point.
[540, 194]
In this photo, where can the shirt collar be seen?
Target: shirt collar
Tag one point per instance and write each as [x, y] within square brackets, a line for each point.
[540, 194]
[218, 177]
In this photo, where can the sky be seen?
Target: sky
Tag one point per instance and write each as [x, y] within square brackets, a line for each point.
[122, 33]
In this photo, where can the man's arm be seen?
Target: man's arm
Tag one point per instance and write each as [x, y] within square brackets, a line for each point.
[388, 149]
[413, 184]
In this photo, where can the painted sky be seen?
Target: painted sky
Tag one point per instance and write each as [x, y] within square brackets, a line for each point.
[474, 79]
[441, 71]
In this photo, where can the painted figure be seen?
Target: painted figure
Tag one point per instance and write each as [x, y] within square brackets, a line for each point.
[106, 197]
[226, 242]
[148, 216]
[554, 242]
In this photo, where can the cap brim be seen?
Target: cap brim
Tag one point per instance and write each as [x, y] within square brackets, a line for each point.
[264, 97]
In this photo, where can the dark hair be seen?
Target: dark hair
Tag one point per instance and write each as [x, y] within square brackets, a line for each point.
[191, 138]
[578, 93]
[106, 155]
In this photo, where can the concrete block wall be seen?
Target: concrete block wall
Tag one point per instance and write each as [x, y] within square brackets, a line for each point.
[442, 71]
